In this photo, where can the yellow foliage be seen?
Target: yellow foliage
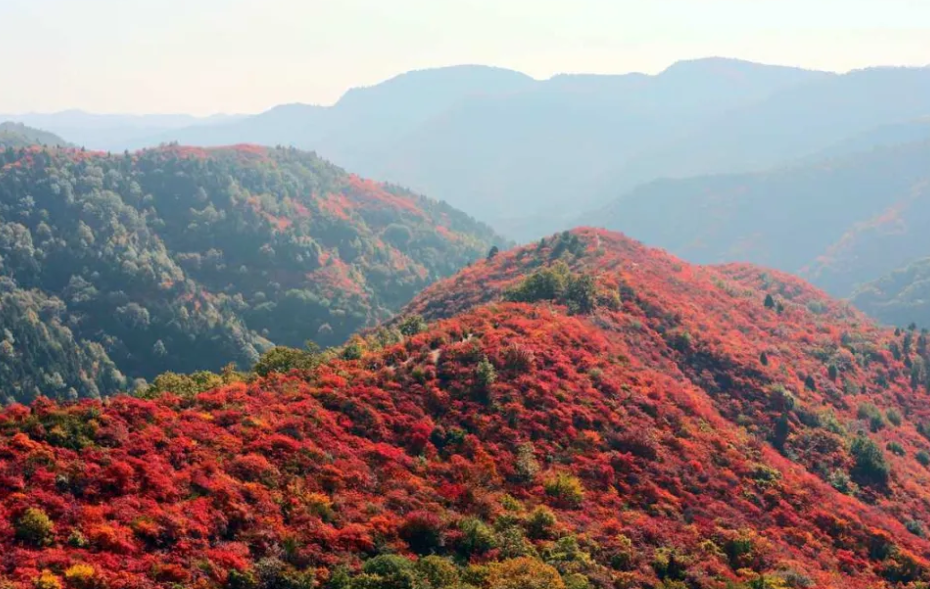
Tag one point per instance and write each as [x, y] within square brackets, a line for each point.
[80, 575]
[565, 489]
[47, 580]
[524, 573]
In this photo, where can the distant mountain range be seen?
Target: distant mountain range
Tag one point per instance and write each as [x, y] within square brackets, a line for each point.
[911, 131]
[528, 156]
[112, 132]
[839, 222]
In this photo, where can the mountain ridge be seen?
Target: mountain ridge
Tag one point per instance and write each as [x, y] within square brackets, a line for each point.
[404, 129]
[686, 432]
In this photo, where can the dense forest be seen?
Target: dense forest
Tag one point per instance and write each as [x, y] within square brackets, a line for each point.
[580, 413]
[119, 267]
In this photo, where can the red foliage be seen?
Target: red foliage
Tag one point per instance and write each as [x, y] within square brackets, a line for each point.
[660, 409]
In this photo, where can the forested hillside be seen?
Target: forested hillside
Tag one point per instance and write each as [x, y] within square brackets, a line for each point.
[839, 222]
[16, 135]
[901, 297]
[125, 266]
[580, 413]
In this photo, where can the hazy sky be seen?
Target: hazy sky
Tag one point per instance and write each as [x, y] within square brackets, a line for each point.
[206, 56]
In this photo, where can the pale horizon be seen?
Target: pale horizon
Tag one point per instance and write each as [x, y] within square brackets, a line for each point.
[247, 56]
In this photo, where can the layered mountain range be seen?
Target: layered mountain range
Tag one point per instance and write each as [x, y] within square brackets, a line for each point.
[841, 222]
[528, 156]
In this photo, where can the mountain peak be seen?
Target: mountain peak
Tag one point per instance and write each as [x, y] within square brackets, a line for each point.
[716, 64]
[446, 83]
[602, 255]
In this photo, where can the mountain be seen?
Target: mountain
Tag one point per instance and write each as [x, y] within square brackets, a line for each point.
[364, 119]
[183, 259]
[510, 150]
[901, 297]
[579, 413]
[112, 132]
[544, 153]
[790, 123]
[839, 222]
[16, 135]
[528, 156]
[890, 135]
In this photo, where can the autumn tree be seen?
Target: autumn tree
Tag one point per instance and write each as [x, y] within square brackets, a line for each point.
[524, 573]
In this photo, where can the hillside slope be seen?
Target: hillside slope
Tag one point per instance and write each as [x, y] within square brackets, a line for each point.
[901, 297]
[838, 222]
[186, 259]
[883, 136]
[17, 135]
[584, 412]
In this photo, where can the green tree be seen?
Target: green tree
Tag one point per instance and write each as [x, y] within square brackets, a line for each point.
[282, 359]
[412, 325]
[870, 466]
[546, 284]
[183, 385]
[581, 294]
[388, 571]
[809, 383]
[541, 523]
[477, 537]
[34, 527]
[485, 377]
[439, 572]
